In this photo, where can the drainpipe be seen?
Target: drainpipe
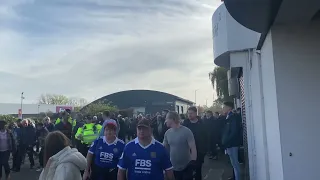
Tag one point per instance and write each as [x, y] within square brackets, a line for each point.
[263, 118]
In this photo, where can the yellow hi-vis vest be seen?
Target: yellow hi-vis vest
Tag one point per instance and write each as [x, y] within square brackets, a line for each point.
[73, 122]
[88, 133]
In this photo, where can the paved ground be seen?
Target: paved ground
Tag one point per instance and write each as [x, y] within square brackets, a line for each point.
[212, 170]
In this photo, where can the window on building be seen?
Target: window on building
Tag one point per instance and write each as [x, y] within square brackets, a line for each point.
[181, 109]
[177, 108]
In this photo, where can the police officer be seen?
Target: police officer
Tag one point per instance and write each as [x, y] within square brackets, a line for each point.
[73, 122]
[104, 153]
[87, 134]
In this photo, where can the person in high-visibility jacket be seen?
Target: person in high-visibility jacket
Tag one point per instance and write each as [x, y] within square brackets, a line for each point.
[87, 134]
[73, 122]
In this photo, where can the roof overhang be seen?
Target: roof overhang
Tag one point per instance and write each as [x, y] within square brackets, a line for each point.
[260, 15]
[257, 15]
[229, 36]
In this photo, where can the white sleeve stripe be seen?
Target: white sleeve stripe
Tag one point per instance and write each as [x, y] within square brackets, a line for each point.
[169, 168]
[90, 152]
[121, 167]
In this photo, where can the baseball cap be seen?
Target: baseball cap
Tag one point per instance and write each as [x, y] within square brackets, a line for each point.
[144, 123]
[111, 122]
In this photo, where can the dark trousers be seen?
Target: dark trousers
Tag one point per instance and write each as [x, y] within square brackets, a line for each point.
[99, 173]
[24, 149]
[198, 167]
[4, 162]
[14, 159]
[83, 149]
[41, 156]
[186, 174]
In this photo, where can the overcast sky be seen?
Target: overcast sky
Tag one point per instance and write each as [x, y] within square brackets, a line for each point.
[91, 48]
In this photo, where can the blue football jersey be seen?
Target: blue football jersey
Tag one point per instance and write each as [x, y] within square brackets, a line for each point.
[145, 163]
[107, 155]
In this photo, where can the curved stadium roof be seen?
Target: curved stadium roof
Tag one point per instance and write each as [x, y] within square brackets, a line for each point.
[138, 98]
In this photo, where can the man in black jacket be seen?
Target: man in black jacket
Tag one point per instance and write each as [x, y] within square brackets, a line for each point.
[27, 141]
[231, 137]
[214, 133]
[198, 129]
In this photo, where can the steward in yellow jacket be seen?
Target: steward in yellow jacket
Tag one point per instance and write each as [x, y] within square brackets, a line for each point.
[87, 134]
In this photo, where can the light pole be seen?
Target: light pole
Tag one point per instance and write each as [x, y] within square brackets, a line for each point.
[39, 111]
[195, 96]
[22, 98]
[195, 99]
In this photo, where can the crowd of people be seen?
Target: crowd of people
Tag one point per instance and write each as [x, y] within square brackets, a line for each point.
[164, 146]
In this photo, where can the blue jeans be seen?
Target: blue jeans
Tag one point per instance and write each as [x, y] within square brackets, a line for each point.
[233, 154]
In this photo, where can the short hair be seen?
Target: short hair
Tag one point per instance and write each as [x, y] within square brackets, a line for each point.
[193, 108]
[46, 118]
[174, 116]
[209, 112]
[217, 113]
[229, 104]
[25, 120]
[106, 113]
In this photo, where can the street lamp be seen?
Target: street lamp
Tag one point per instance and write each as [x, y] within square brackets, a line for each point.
[195, 96]
[22, 98]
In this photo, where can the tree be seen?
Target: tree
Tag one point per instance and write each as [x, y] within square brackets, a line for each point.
[53, 99]
[77, 102]
[8, 118]
[216, 107]
[219, 81]
[62, 100]
[98, 107]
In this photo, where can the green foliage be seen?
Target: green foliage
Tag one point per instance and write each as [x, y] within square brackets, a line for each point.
[219, 81]
[8, 118]
[98, 107]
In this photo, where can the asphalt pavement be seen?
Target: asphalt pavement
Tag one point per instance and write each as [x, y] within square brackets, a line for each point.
[212, 170]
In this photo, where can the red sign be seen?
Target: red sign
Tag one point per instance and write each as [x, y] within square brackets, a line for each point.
[62, 108]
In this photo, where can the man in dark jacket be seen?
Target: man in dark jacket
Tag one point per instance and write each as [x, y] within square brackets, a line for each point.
[123, 129]
[214, 133]
[198, 129]
[231, 136]
[48, 124]
[65, 126]
[42, 132]
[27, 141]
[159, 126]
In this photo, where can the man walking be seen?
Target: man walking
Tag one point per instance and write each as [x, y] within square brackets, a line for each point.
[180, 142]
[144, 158]
[231, 137]
[197, 127]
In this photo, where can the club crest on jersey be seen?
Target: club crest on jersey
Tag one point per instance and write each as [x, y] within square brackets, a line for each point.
[115, 150]
[134, 154]
[100, 147]
[153, 154]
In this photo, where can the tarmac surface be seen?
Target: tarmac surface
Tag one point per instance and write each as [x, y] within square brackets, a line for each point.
[212, 170]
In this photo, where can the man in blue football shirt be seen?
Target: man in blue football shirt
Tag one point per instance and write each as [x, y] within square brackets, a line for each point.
[144, 158]
[105, 153]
